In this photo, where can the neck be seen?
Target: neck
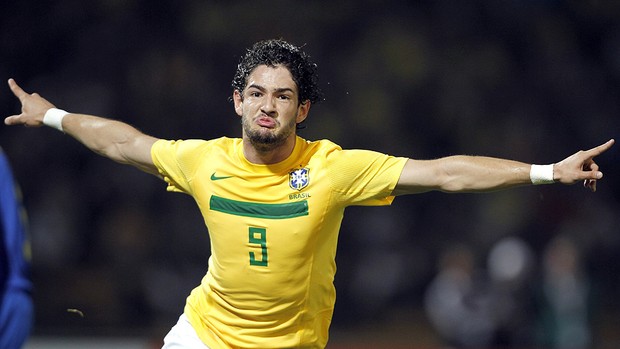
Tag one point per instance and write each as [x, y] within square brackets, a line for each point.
[266, 154]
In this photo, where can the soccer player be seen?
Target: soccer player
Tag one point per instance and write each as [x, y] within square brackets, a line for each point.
[16, 308]
[273, 202]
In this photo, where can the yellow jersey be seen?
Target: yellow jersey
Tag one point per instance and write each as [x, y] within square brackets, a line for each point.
[273, 231]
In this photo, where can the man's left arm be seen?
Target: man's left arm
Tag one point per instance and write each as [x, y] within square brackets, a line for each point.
[462, 173]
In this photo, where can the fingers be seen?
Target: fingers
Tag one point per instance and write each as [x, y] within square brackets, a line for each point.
[592, 168]
[581, 167]
[17, 91]
[21, 95]
[590, 184]
[600, 149]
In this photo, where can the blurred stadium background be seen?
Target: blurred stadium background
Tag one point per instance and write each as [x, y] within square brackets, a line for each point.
[533, 80]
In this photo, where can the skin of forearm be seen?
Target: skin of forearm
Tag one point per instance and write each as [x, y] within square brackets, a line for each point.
[462, 173]
[109, 138]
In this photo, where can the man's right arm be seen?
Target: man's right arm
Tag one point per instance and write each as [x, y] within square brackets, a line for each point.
[116, 140]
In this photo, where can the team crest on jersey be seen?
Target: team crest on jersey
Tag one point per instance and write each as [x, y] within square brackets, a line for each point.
[298, 179]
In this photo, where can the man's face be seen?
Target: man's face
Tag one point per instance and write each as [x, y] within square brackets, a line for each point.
[269, 107]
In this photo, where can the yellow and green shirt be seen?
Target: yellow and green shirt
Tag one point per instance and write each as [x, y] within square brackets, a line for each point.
[273, 232]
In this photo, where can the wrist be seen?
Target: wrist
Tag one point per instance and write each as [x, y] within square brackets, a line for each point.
[53, 118]
[541, 174]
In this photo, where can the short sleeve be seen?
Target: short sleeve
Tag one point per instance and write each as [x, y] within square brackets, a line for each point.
[364, 177]
[177, 161]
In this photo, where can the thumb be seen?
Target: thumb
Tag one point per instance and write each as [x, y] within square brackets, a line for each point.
[11, 120]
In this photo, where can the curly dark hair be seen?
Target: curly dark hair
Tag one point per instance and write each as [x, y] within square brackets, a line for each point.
[279, 52]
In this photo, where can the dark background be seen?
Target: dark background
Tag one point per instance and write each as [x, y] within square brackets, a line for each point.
[530, 80]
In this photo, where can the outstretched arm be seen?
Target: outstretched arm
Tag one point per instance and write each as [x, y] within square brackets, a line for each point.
[478, 174]
[113, 139]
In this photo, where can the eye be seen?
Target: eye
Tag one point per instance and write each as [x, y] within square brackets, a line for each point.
[255, 94]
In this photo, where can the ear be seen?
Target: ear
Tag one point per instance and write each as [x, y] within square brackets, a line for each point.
[238, 100]
[302, 111]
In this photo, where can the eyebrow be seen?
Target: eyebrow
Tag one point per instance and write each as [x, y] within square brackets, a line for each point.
[279, 90]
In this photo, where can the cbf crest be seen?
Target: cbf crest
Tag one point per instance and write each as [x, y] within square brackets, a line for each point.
[298, 179]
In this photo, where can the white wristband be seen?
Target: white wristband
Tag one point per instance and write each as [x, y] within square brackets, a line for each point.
[53, 118]
[541, 174]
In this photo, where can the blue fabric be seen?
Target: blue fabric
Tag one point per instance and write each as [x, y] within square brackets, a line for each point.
[16, 308]
[16, 319]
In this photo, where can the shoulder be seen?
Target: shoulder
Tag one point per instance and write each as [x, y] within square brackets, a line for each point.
[323, 146]
[184, 146]
[334, 154]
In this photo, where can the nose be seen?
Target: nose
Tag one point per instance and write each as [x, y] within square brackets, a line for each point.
[269, 106]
